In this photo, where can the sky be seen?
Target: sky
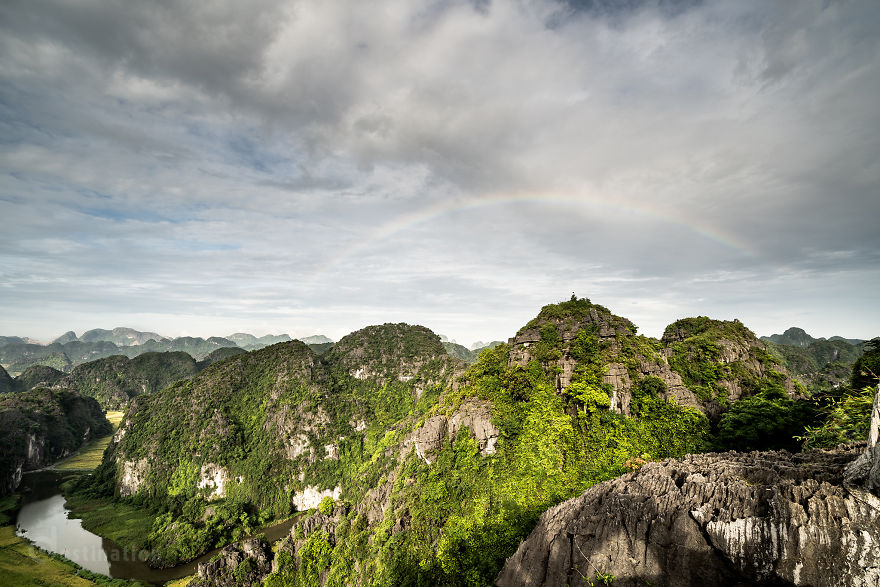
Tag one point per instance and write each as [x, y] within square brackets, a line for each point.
[196, 168]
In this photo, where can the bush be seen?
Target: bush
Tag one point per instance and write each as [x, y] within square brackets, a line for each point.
[326, 506]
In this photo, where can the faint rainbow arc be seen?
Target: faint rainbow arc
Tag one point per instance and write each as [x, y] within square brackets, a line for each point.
[405, 221]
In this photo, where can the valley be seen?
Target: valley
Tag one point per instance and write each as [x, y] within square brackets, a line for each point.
[389, 460]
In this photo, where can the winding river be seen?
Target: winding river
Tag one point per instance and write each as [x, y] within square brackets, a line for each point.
[43, 520]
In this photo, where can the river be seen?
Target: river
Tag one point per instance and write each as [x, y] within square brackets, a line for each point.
[43, 520]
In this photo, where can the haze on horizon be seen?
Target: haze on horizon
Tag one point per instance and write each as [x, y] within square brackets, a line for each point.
[317, 166]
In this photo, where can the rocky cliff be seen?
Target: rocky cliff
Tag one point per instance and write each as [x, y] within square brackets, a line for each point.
[713, 519]
[40, 426]
[703, 363]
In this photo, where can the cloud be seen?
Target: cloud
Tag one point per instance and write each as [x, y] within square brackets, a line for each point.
[466, 160]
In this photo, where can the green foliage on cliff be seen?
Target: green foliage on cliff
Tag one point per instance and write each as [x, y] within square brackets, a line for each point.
[706, 352]
[447, 511]
[7, 383]
[38, 376]
[866, 370]
[275, 421]
[40, 426]
[113, 381]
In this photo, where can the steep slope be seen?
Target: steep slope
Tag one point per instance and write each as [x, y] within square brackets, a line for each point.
[723, 361]
[7, 383]
[271, 431]
[823, 366]
[114, 380]
[68, 336]
[220, 354]
[40, 426]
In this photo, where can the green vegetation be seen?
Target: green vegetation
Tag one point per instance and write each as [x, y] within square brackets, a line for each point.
[247, 413]
[7, 383]
[712, 356]
[40, 426]
[113, 381]
[846, 417]
[38, 376]
[23, 565]
[275, 422]
[866, 370]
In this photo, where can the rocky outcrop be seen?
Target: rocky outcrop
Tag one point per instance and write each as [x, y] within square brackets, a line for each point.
[865, 470]
[712, 519]
[475, 415]
[133, 476]
[311, 496]
[242, 563]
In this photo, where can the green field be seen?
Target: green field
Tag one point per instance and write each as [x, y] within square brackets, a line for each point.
[89, 456]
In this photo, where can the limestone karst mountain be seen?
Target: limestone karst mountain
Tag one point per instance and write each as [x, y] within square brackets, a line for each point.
[441, 468]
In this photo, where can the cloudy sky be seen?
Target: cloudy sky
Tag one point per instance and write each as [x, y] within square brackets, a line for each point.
[317, 166]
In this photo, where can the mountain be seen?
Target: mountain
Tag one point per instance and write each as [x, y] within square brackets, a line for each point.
[251, 342]
[460, 352]
[113, 381]
[38, 376]
[68, 336]
[480, 345]
[442, 469]
[852, 341]
[68, 351]
[277, 428]
[220, 354]
[120, 336]
[316, 339]
[824, 366]
[7, 383]
[40, 426]
[798, 337]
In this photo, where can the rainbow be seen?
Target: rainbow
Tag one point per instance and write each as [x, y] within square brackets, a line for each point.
[582, 201]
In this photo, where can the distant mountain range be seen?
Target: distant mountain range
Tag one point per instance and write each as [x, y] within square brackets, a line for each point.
[798, 337]
[67, 351]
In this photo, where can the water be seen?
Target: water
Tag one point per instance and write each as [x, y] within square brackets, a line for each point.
[43, 520]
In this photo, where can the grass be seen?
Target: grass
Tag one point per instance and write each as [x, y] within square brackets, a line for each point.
[181, 582]
[89, 457]
[8, 508]
[23, 565]
[125, 525]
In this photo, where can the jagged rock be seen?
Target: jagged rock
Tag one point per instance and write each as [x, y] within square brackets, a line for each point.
[865, 470]
[243, 563]
[712, 519]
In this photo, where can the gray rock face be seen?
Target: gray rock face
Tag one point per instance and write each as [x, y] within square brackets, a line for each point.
[713, 519]
[473, 414]
[865, 470]
[221, 570]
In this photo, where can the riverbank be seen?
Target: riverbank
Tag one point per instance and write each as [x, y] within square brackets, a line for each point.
[22, 564]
